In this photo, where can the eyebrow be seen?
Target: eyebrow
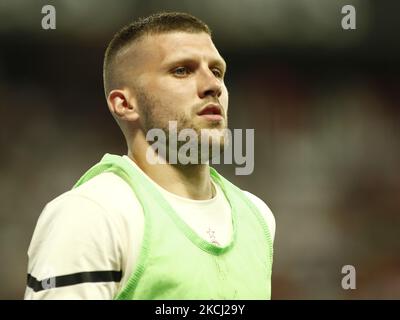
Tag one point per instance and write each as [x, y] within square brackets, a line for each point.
[220, 62]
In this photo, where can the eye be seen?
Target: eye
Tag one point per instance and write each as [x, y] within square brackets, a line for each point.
[181, 71]
[218, 73]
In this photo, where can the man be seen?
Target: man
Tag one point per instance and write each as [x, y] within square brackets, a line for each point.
[134, 229]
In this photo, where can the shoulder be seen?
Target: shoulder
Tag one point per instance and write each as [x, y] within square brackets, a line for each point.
[101, 208]
[265, 211]
[89, 228]
[107, 194]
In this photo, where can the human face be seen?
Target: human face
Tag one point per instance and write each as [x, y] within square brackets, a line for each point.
[178, 75]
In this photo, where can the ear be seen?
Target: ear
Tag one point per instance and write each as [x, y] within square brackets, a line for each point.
[122, 105]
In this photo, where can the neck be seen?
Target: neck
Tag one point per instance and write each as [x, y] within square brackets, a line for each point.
[188, 181]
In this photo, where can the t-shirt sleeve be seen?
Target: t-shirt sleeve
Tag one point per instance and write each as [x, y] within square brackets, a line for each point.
[75, 252]
[265, 211]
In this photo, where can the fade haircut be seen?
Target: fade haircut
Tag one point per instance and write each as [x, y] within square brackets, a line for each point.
[154, 24]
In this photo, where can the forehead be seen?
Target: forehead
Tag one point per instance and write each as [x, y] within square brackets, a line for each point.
[158, 49]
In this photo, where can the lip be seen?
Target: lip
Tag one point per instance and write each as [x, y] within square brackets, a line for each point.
[211, 112]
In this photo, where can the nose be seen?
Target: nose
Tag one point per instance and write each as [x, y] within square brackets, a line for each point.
[209, 84]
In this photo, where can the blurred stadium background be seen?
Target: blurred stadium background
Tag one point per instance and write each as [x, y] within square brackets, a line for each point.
[324, 103]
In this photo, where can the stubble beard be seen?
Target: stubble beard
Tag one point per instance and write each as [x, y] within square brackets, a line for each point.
[152, 116]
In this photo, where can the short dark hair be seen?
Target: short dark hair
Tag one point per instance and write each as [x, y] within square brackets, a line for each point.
[154, 24]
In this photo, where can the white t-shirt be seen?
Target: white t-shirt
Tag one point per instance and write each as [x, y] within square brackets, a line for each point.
[88, 239]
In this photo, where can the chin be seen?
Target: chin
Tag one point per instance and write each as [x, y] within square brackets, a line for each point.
[217, 125]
